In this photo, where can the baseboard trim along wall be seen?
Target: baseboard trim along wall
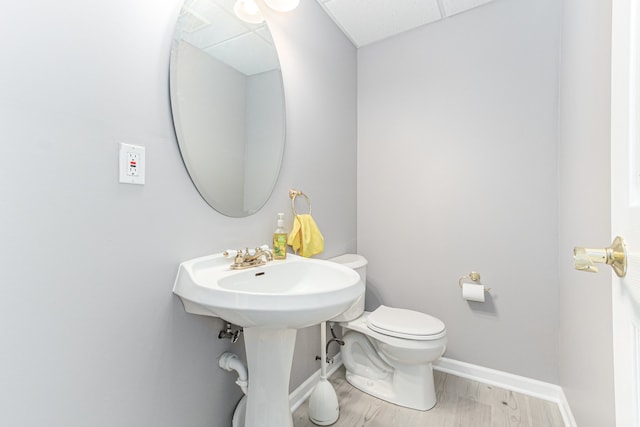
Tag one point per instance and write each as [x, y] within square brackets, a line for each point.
[302, 393]
[524, 385]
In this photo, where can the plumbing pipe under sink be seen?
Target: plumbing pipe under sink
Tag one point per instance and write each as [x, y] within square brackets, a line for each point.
[231, 362]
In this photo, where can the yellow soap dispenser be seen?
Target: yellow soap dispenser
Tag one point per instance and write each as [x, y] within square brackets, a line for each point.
[280, 239]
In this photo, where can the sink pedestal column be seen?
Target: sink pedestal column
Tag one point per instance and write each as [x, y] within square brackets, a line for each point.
[269, 359]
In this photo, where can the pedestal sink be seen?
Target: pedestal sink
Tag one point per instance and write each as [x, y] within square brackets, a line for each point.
[270, 302]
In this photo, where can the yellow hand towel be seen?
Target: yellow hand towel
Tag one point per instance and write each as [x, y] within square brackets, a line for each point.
[305, 236]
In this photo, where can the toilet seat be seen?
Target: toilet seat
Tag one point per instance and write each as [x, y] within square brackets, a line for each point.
[408, 324]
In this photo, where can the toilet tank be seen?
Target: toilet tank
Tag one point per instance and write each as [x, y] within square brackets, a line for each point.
[359, 264]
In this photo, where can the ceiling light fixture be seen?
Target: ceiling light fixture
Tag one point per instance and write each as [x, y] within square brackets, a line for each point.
[282, 5]
[248, 10]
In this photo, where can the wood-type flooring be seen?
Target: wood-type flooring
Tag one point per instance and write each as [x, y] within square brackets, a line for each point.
[461, 403]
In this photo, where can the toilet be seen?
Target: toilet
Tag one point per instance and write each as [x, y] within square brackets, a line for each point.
[388, 353]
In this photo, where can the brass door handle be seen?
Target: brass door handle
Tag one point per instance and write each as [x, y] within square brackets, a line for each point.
[584, 259]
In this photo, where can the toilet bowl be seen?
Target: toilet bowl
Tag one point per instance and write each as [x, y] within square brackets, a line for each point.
[388, 353]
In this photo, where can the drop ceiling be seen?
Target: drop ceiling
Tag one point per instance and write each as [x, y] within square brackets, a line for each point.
[212, 26]
[369, 21]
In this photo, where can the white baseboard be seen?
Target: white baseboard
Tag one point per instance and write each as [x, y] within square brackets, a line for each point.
[524, 385]
[302, 393]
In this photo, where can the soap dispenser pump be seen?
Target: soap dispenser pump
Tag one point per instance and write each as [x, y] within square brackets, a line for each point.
[280, 239]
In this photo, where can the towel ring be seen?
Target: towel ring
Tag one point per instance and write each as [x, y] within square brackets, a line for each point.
[295, 193]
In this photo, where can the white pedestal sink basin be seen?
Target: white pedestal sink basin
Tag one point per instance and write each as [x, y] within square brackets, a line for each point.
[270, 302]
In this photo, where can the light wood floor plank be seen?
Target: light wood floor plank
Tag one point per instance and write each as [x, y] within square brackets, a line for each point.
[461, 403]
[544, 413]
[470, 412]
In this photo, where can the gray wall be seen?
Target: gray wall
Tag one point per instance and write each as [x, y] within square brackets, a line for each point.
[457, 172]
[91, 334]
[586, 359]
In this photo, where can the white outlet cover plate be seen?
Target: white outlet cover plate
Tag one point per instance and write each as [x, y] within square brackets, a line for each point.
[138, 176]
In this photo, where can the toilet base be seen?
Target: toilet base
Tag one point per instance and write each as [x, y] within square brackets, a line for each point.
[401, 387]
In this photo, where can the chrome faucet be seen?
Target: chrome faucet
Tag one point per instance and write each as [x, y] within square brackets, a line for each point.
[247, 259]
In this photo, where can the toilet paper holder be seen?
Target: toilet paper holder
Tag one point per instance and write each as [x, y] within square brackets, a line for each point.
[474, 277]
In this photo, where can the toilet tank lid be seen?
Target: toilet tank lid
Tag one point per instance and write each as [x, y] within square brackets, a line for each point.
[353, 261]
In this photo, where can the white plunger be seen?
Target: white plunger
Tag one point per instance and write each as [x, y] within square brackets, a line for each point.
[323, 402]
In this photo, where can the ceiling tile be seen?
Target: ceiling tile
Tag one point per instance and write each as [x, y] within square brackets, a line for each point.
[451, 7]
[367, 21]
[213, 27]
[250, 54]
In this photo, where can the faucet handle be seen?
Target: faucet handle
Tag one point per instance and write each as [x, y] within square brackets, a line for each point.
[230, 253]
[237, 255]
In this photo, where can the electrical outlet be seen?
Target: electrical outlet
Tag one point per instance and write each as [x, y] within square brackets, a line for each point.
[132, 164]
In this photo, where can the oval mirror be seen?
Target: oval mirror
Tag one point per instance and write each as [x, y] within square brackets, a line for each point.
[227, 102]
